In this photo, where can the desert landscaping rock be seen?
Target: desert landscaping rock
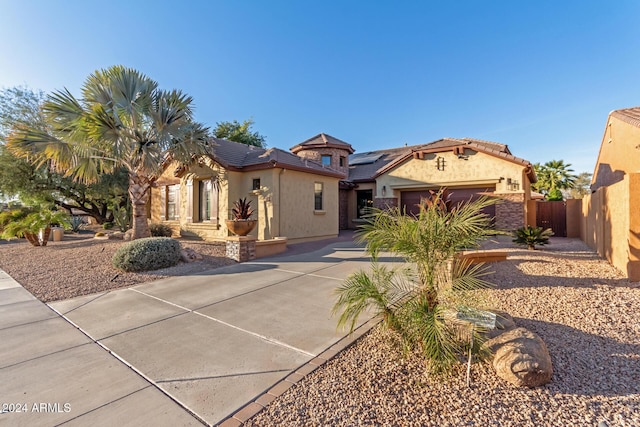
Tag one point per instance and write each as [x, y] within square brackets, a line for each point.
[81, 265]
[521, 358]
[583, 309]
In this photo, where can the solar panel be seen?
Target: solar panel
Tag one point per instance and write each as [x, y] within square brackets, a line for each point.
[364, 158]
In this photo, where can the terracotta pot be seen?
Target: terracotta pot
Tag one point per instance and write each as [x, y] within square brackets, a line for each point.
[241, 227]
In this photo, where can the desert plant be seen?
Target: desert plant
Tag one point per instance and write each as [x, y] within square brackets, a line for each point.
[418, 299]
[31, 225]
[13, 215]
[242, 209]
[122, 218]
[123, 120]
[107, 225]
[77, 223]
[150, 253]
[532, 236]
[160, 230]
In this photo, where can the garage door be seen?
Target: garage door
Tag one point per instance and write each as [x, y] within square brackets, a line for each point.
[410, 200]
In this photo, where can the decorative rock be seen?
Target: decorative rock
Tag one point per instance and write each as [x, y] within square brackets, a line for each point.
[189, 255]
[128, 235]
[504, 322]
[521, 358]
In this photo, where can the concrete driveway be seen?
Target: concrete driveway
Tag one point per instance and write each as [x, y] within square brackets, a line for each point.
[225, 343]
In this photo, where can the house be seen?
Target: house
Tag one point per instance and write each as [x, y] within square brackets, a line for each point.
[292, 196]
[611, 214]
[321, 186]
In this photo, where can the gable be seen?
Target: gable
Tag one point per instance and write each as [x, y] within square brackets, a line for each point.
[619, 150]
[444, 169]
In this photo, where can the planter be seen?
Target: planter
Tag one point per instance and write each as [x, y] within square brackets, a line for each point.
[241, 227]
[57, 234]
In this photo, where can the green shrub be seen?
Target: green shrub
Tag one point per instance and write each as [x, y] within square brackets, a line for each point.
[531, 236]
[107, 225]
[150, 253]
[160, 230]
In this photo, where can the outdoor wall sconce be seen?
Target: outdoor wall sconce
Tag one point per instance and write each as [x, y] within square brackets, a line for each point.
[384, 190]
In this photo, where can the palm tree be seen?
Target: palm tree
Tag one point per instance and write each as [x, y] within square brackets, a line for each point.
[554, 176]
[420, 299]
[122, 120]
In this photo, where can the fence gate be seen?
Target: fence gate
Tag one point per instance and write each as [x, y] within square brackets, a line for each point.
[552, 215]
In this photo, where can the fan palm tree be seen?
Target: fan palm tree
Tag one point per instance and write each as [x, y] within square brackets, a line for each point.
[122, 120]
[418, 299]
[554, 176]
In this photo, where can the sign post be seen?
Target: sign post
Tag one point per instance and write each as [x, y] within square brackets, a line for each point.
[480, 318]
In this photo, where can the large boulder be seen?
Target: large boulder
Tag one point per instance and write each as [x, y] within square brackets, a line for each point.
[521, 358]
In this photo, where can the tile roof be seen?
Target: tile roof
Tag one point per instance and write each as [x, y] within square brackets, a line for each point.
[629, 115]
[393, 157]
[240, 157]
[322, 140]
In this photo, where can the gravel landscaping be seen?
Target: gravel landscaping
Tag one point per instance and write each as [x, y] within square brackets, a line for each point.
[582, 307]
[81, 265]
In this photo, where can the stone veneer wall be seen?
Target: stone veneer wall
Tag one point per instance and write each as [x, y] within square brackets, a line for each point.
[316, 154]
[241, 248]
[510, 211]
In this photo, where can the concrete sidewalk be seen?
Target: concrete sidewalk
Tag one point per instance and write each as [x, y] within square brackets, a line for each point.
[52, 374]
[222, 344]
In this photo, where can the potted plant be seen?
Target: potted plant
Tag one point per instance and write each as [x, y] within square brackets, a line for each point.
[241, 224]
[35, 227]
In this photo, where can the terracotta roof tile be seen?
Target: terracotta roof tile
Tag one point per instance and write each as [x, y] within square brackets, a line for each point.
[629, 115]
[390, 158]
[322, 140]
[236, 156]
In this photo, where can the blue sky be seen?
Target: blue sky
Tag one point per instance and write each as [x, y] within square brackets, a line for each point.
[540, 76]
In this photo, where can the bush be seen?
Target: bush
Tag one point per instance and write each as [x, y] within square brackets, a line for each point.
[160, 230]
[150, 253]
[107, 225]
[532, 236]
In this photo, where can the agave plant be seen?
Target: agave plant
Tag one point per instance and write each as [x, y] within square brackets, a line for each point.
[242, 209]
[532, 236]
[418, 299]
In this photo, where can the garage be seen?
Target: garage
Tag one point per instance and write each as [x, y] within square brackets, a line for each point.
[410, 200]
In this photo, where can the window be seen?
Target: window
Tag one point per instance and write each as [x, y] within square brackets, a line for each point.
[365, 202]
[256, 184]
[318, 196]
[343, 160]
[173, 206]
[204, 200]
[326, 160]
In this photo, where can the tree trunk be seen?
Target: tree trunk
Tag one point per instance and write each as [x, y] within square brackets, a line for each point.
[139, 189]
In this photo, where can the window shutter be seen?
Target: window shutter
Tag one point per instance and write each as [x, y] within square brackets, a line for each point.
[163, 203]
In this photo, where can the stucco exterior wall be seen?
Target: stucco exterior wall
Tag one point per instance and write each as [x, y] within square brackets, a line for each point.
[479, 169]
[298, 220]
[475, 169]
[284, 203]
[611, 224]
[618, 155]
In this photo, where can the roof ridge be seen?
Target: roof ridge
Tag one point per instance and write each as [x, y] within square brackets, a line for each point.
[622, 115]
